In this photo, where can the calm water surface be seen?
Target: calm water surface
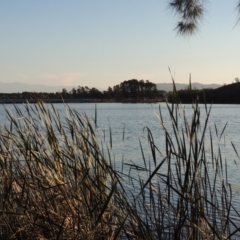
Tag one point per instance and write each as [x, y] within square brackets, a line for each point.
[132, 119]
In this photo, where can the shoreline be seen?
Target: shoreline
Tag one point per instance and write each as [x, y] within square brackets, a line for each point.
[47, 100]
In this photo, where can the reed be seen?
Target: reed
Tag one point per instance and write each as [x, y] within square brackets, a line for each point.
[58, 181]
[54, 179]
[187, 194]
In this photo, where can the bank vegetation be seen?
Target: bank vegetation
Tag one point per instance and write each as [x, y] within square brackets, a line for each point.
[58, 181]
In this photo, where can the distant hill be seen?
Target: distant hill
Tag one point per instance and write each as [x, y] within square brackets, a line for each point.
[229, 94]
[169, 86]
[16, 87]
[226, 94]
[20, 87]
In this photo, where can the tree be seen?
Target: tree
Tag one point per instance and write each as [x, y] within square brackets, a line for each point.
[64, 92]
[117, 91]
[142, 88]
[74, 92]
[95, 93]
[134, 89]
[190, 13]
[79, 91]
[110, 92]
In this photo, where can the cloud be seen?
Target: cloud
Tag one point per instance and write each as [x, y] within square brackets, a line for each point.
[63, 79]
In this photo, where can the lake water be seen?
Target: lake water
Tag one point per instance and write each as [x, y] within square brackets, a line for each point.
[127, 124]
[131, 119]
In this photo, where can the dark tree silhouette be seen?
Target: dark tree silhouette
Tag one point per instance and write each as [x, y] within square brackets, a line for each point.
[135, 90]
[190, 13]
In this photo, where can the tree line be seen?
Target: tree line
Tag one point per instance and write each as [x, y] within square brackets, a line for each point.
[132, 90]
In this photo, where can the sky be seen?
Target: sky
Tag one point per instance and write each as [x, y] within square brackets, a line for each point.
[100, 43]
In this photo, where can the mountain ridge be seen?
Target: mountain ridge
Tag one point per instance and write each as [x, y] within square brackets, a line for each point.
[179, 86]
[15, 87]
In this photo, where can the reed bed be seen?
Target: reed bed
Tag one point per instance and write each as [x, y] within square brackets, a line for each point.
[58, 181]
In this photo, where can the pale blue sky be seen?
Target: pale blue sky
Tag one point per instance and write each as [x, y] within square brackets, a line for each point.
[100, 43]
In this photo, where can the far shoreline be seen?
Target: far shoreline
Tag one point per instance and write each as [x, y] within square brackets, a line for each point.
[47, 100]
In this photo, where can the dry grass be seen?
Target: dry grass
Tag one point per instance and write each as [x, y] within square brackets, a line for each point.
[54, 177]
[56, 183]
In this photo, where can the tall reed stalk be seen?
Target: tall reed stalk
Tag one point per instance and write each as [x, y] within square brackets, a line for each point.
[58, 182]
[187, 194]
[54, 178]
